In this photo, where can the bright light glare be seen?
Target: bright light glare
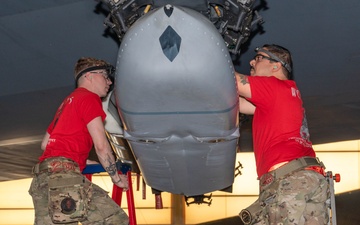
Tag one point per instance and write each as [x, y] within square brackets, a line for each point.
[341, 157]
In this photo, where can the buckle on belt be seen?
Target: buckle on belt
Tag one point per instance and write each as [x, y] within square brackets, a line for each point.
[310, 161]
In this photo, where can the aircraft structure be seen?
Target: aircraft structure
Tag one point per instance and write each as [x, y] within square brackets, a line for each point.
[175, 98]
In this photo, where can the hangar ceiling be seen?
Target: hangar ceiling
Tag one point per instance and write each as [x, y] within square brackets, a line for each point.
[41, 40]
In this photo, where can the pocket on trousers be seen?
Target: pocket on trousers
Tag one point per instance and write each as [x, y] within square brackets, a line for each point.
[67, 199]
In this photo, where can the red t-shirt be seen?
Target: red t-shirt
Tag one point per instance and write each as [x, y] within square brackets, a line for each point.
[280, 131]
[69, 136]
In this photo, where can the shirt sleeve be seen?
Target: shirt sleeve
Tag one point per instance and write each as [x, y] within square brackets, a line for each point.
[262, 90]
[91, 108]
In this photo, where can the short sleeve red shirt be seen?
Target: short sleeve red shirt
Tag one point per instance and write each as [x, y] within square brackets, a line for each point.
[280, 131]
[69, 136]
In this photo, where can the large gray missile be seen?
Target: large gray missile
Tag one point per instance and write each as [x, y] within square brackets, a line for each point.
[176, 95]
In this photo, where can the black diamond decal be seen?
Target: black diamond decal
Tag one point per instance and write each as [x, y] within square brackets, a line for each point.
[170, 43]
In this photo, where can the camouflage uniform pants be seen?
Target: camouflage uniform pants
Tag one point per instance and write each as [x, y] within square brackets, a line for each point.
[299, 198]
[102, 209]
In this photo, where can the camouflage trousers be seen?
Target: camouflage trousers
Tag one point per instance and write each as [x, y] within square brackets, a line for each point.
[101, 208]
[299, 198]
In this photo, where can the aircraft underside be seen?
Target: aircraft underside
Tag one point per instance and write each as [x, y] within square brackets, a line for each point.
[175, 98]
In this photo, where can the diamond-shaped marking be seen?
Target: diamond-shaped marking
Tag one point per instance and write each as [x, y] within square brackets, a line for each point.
[170, 43]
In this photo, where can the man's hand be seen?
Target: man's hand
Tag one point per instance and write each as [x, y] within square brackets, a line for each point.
[122, 182]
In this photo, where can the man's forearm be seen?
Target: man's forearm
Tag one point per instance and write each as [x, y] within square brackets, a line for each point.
[107, 160]
[109, 164]
[243, 85]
